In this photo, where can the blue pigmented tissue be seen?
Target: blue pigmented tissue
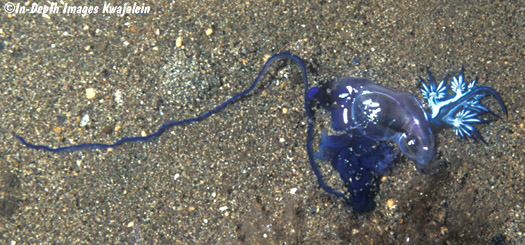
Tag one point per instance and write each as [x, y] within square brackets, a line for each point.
[365, 114]
[382, 114]
[360, 162]
[364, 117]
[460, 107]
[312, 93]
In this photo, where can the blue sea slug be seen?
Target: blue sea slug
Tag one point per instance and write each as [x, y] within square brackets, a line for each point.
[460, 108]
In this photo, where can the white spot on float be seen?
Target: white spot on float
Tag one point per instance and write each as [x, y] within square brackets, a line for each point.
[374, 113]
[351, 89]
[345, 115]
[373, 109]
[371, 103]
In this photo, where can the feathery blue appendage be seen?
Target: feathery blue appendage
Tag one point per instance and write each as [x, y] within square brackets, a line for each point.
[460, 108]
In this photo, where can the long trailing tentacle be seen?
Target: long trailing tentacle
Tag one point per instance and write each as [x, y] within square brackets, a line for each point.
[166, 125]
[308, 96]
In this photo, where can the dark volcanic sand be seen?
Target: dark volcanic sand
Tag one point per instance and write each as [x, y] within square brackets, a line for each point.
[228, 179]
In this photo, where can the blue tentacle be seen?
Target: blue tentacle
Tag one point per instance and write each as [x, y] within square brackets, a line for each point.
[308, 97]
[167, 125]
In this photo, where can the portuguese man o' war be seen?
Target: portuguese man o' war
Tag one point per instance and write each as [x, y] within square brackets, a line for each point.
[366, 113]
[365, 117]
[382, 114]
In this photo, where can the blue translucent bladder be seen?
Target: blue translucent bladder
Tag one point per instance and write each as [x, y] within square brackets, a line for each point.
[365, 115]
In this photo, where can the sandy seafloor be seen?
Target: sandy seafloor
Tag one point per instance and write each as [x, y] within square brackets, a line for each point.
[230, 179]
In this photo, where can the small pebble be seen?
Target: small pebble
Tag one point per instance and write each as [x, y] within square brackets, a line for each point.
[61, 119]
[90, 93]
[134, 29]
[266, 57]
[209, 31]
[444, 230]
[391, 203]
[118, 97]
[84, 121]
[356, 61]
[293, 191]
[57, 130]
[108, 129]
[178, 42]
